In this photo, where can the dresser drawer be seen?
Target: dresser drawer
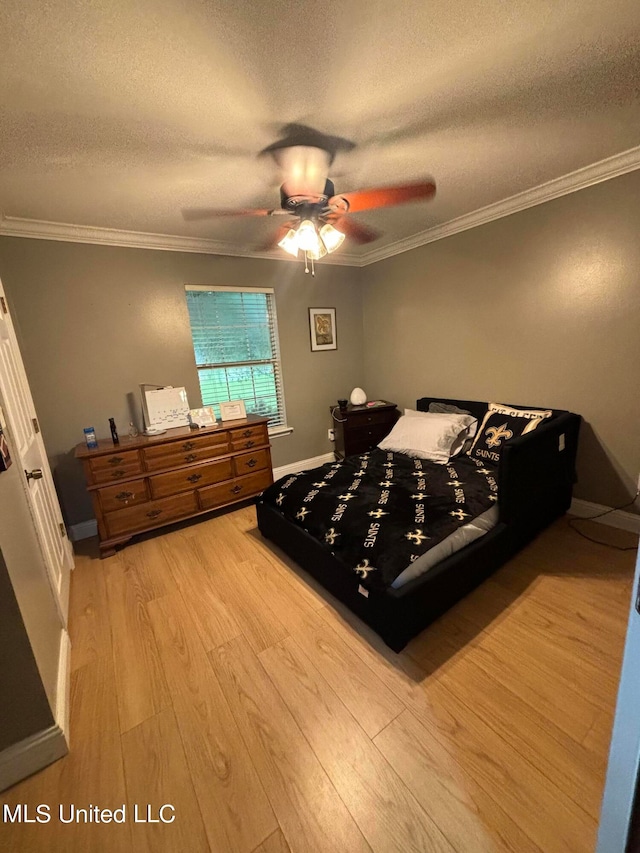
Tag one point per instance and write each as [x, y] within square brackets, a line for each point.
[373, 433]
[115, 466]
[150, 514]
[190, 478]
[245, 463]
[357, 420]
[234, 490]
[195, 449]
[248, 437]
[117, 497]
[364, 438]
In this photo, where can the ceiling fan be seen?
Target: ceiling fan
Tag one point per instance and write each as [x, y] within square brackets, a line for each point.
[318, 218]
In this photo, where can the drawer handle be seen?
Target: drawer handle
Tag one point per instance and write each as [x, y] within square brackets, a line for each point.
[246, 433]
[251, 463]
[116, 460]
[190, 457]
[188, 445]
[193, 478]
[154, 513]
[249, 443]
[236, 489]
[117, 474]
[124, 496]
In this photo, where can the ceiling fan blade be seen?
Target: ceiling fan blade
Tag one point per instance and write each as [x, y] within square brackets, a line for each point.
[195, 213]
[357, 231]
[383, 196]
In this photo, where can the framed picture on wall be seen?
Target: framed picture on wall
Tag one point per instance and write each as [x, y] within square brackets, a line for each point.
[322, 325]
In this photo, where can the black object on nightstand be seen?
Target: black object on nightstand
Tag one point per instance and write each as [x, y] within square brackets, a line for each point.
[360, 428]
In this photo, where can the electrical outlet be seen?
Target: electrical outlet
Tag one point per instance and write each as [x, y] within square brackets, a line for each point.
[331, 434]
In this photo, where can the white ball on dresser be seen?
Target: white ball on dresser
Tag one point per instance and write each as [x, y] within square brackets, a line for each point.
[358, 397]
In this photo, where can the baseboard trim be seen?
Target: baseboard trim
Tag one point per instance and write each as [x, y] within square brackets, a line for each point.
[63, 691]
[83, 530]
[43, 748]
[303, 465]
[30, 755]
[616, 518]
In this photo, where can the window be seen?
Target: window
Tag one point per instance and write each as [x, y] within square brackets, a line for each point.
[235, 339]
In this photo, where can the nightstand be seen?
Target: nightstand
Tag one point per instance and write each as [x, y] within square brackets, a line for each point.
[360, 428]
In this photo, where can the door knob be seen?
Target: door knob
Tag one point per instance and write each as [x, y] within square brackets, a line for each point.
[36, 474]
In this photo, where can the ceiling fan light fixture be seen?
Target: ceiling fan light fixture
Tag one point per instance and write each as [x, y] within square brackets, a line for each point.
[314, 255]
[308, 239]
[331, 237]
[290, 243]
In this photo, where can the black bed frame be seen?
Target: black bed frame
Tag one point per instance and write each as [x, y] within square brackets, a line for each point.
[535, 480]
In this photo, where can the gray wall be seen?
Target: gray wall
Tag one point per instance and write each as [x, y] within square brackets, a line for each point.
[539, 308]
[24, 707]
[94, 322]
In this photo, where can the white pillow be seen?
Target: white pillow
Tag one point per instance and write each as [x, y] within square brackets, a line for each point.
[430, 436]
[414, 413]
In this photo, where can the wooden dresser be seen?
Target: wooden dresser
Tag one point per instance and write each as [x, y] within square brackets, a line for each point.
[360, 428]
[147, 482]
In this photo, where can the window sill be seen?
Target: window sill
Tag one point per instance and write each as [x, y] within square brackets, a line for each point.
[276, 432]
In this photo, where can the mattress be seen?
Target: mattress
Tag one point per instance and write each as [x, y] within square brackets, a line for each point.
[454, 542]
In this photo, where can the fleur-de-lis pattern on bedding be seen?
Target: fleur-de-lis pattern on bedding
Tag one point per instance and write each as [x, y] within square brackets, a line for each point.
[378, 512]
[496, 435]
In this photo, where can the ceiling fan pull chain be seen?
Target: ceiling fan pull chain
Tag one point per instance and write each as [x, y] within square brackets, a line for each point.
[313, 268]
[306, 262]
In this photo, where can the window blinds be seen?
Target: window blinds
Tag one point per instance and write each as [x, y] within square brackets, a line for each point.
[235, 340]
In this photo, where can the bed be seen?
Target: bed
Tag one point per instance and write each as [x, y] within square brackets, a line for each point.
[400, 538]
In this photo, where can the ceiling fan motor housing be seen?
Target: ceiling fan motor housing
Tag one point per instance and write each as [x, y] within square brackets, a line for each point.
[312, 204]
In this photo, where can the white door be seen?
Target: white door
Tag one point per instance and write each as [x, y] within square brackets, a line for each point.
[28, 452]
[621, 787]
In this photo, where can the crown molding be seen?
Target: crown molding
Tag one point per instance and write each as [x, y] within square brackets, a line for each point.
[604, 170]
[40, 229]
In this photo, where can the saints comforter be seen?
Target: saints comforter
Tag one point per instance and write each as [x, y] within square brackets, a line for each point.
[378, 512]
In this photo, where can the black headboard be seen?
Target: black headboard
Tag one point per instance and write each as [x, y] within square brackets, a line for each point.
[477, 409]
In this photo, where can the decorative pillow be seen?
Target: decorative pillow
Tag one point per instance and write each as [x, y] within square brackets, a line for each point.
[519, 413]
[499, 425]
[437, 437]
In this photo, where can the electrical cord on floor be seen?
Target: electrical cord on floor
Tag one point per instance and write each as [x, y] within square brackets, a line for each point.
[572, 525]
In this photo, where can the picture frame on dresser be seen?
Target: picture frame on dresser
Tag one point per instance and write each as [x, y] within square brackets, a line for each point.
[202, 417]
[232, 410]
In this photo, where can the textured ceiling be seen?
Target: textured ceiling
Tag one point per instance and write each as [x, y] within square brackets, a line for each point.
[120, 114]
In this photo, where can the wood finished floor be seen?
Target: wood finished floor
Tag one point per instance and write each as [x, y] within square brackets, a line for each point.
[208, 675]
